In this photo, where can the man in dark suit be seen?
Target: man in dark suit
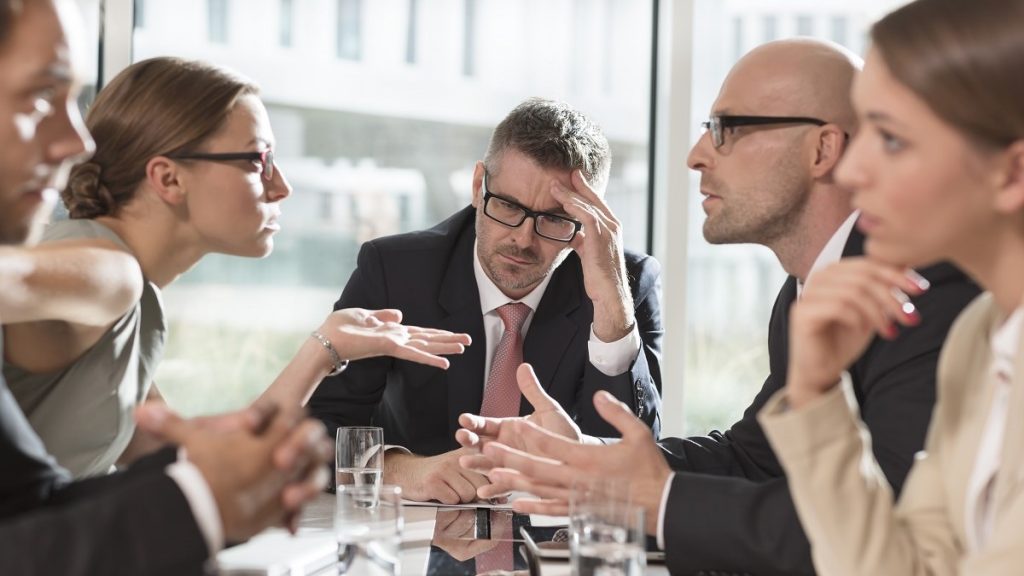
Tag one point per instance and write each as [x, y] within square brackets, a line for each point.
[589, 311]
[720, 503]
[171, 511]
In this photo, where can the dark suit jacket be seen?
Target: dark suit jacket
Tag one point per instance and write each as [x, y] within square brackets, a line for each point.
[729, 508]
[428, 275]
[136, 522]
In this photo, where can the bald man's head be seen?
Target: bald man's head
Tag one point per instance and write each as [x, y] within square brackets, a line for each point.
[795, 77]
[769, 182]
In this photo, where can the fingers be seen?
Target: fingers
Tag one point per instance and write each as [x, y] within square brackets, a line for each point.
[620, 416]
[546, 470]
[864, 294]
[530, 386]
[494, 489]
[295, 495]
[157, 419]
[306, 443]
[460, 481]
[384, 316]
[513, 480]
[545, 507]
[412, 354]
[480, 425]
[438, 348]
[260, 413]
[548, 445]
[437, 335]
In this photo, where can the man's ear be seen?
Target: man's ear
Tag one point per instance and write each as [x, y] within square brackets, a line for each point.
[1009, 197]
[478, 184]
[831, 144]
[164, 177]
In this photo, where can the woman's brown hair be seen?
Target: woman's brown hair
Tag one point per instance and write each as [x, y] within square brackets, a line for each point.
[157, 106]
[964, 59]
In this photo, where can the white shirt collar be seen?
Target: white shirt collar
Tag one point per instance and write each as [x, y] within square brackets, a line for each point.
[491, 297]
[833, 249]
[1006, 338]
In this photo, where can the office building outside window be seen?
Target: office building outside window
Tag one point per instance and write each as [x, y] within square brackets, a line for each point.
[469, 38]
[410, 32]
[218, 21]
[286, 22]
[350, 29]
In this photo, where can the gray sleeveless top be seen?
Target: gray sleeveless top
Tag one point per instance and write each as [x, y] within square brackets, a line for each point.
[83, 412]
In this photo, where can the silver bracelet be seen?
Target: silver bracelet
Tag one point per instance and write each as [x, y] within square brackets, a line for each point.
[339, 364]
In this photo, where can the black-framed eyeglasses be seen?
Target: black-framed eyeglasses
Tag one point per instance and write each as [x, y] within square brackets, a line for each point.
[718, 124]
[264, 157]
[513, 214]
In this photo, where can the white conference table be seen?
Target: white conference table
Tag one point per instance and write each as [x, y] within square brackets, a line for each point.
[435, 542]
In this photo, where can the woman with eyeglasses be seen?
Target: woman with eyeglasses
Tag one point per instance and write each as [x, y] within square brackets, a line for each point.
[183, 167]
[937, 170]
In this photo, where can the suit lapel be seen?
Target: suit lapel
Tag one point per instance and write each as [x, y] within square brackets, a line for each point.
[552, 330]
[460, 299]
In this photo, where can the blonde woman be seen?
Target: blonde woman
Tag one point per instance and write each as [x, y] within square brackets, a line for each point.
[183, 167]
[937, 170]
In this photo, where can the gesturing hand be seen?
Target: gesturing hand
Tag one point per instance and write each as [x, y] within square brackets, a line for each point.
[840, 310]
[478, 431]
[554, 462]
[599, 246]
[357, 333]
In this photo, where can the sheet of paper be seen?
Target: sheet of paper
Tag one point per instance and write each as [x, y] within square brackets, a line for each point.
[478, 504]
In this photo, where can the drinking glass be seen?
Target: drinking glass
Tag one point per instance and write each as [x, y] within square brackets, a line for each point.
[368, 526]
[606, 531]
[359, 456]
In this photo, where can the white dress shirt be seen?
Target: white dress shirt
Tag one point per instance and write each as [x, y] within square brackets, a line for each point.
[980, 511]
[611, 358]
[200, 499]
[830, 254]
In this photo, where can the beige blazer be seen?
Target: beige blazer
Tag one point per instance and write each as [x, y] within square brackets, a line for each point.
[845, 504]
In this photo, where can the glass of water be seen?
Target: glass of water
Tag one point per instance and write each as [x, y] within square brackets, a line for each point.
[368, 526]
[359, 456]
[606, 531]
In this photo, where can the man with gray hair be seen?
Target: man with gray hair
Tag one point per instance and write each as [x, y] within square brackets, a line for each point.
[534, 270]
[720, 503]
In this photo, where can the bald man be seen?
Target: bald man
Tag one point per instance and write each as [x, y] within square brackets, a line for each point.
[719, 503]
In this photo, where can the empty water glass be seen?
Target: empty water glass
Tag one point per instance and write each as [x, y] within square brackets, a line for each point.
[368, 526]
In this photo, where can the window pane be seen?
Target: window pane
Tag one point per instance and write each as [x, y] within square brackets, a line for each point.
[218, 21]
[286, 22]
[350, 29]
[731, 289]
[379, 146]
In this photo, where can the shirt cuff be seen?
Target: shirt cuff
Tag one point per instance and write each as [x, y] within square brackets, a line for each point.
[396, 447]
[661, 510]
[614, 358]
[200, 499]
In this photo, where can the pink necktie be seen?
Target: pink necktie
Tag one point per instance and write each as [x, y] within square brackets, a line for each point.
[498, 559]
[501, 395]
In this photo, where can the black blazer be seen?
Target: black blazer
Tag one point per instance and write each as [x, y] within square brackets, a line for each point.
[135, 522]
[729, 508]
[428, 275]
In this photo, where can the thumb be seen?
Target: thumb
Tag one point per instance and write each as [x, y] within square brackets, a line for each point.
[531, 389]
[620, 416]
[158, 420]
